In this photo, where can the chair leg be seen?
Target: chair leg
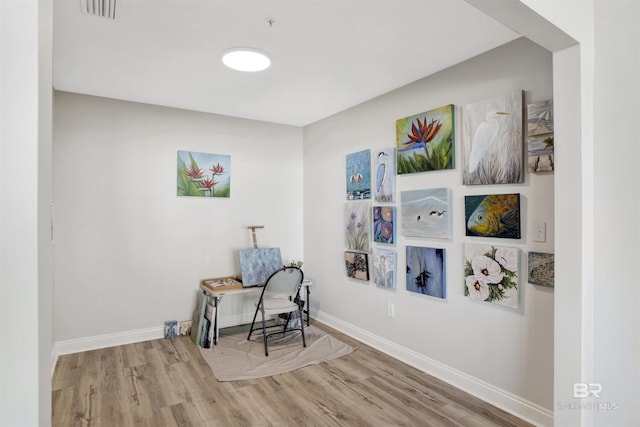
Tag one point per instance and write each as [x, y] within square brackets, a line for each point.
[253, 322]
[264, 332]
[304, 341]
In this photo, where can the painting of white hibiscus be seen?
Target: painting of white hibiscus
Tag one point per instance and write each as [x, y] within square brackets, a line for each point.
[491, 274]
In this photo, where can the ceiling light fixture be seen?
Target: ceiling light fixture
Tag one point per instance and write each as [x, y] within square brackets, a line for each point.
[246, 59]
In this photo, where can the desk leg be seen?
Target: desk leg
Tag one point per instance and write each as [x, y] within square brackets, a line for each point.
[308, 304]
[216, 302]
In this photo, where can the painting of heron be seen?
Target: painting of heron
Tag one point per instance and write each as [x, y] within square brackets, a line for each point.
[385, 172]
[493, 215]
[426, 213]
[357, 265]
[357, 225]
[426, 271]
[384, 224]
[426, 141]
[493, 141]
[203, 174]
[540, 136]
[385, 268]
[359, 175]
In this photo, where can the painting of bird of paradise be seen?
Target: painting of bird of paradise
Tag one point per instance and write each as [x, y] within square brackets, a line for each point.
[385, 171]
[359, 175]
[491, 274]
[540, 136]
[426, 271]
[203, 174]
[426, 141]
[494, 215]
[426, 213]
[385, 264]
[492, 141]
[384, 224]
[358, 225]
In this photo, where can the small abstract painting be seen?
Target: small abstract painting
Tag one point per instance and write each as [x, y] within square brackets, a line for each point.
[204, 175]
[385, 171]
[357, 226]
[426, 271]
[493, 141]
[256, 265]
[494, 215]
[491, 274]
[359, 175]
[540, 136]
[541, 269]
[426, 141]
[426, 213]
[357, 264]
[384, 224]
[385, 264]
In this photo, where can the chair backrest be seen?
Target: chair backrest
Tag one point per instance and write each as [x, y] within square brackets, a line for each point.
[283, 283]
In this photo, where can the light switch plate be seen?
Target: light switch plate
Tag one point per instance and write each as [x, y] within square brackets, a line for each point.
[539, 232]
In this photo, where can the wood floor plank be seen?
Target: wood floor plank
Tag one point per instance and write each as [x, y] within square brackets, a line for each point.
[168, 383]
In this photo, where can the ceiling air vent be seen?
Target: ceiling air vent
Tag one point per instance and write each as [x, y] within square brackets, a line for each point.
[101, 8]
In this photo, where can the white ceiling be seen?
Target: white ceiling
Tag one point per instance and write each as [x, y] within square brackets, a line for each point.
[327, 55]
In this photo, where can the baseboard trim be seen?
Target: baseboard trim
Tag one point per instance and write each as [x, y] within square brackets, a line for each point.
[528, 411]
[108, 340]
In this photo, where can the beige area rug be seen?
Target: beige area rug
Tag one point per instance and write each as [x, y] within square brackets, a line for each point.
[235, 358]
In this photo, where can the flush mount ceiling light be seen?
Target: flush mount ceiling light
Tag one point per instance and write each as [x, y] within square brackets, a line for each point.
[246, 59]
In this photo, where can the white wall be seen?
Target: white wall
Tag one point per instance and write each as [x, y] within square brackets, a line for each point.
[507, 351]
[129, 252]
[25, 193]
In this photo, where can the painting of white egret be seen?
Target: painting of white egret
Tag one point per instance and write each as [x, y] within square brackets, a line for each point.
[492, 141]
[359, 175]
[426, 213]
[426, 141]
[384, 224]
[491, 274]
[540, 136]
[494, 215]
[357, 265]
[357, 225]
[204, 174]
[426, 271]
[541, 269]
[385, 174]
[385, 265]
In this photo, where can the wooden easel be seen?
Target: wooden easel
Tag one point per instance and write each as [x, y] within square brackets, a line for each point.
[253, 234]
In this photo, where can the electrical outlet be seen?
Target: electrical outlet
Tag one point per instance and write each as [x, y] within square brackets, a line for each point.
[391, 312]
[539, 232]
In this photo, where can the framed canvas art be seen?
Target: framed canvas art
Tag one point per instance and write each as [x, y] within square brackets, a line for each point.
[359, 175]
[426, 271]
[541, 269]
[357, 265]
[540, 136]
[203, 174]
[357, 226]
[256, 265]
[426, 213]
[426, 141]
[385, 268]
[385, 175]
[491, 274]
[494, 215]
[384, 224]
[492, 143]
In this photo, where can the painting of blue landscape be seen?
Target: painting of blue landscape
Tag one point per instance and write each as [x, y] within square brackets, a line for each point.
[359, 175]
[426, 271]
[256, 265]
[426, 213]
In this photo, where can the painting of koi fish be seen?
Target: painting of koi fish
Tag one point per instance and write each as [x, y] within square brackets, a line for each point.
[494, 215]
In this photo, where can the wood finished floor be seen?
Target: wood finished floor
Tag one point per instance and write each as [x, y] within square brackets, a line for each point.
[167, 383]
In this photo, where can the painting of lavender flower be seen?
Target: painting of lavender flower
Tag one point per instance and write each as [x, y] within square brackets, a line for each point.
[385, 171]
[359, 175]
[384, 224]
[203, 174]
[426, 271]
[491, 274]
[426, 141]
[541, 269]
[357, 265]
[493, 141]
[384, 268]
[426, 213]
[357, 226]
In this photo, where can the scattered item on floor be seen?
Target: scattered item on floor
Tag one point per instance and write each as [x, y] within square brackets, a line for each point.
[171, 329]
[235, 358]
[185, 327]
